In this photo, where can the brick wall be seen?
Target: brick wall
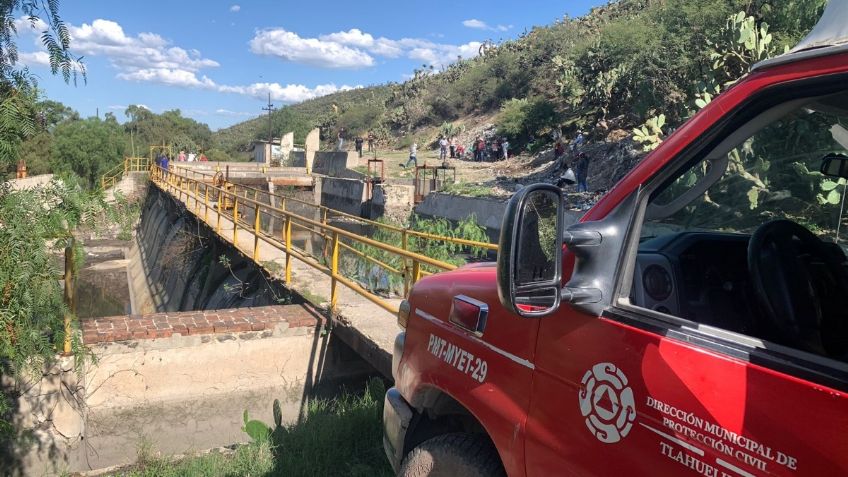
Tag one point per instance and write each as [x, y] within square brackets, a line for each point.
[165, 325]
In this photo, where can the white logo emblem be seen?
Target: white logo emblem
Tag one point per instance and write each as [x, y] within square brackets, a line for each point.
[607, 403]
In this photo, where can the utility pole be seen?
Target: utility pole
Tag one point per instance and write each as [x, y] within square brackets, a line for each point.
[270, 108]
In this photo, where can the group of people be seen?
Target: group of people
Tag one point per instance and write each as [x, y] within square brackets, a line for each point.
[358, 142]
[451, 148]
[164, 159]
[580, 171]
[496, 149]
[575, 171]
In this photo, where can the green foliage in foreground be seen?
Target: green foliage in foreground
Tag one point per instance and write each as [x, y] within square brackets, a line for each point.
[341, 436]
[35, 224]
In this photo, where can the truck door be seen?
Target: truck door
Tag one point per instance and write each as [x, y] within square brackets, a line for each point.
[724, 348]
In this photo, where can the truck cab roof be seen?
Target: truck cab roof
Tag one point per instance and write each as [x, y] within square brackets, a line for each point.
[828, 37]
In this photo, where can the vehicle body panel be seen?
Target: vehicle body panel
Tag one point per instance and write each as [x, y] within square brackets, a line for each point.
[500, 401]
[697, 410]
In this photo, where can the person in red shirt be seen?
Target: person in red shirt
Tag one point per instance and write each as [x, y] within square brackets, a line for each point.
[559, 155]
[479, 147]
[203, 157]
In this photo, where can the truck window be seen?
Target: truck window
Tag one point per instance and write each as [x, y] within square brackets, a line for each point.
[711, 253]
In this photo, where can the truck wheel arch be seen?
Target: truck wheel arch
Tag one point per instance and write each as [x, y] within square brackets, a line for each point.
[438, 413]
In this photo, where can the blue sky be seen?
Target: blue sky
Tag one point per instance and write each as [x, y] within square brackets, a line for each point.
[217, 61]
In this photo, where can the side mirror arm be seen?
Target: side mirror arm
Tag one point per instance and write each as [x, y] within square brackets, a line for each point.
[599, 249]
[573, 238]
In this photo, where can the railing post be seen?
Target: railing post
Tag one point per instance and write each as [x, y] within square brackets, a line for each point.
[196, 201]
[256, 226]
[287, 239]
[235, 220]
[404, 244]
[69, 294]
[218, 225]
[205, 202]
[334, 272]
[416, 271]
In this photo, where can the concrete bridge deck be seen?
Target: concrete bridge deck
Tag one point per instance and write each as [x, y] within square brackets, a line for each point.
[364, 326]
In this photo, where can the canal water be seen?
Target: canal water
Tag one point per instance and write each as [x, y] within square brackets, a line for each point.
[101, 287]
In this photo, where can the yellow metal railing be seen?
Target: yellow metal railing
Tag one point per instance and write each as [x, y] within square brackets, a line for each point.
[115, 174]
[236, 205]
[327, 214]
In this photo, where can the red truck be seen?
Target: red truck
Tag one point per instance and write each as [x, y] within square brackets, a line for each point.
[694, 322]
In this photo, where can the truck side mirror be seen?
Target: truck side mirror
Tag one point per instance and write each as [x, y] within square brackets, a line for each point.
[530, 252]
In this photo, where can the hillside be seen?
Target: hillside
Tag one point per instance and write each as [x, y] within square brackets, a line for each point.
[604, 73]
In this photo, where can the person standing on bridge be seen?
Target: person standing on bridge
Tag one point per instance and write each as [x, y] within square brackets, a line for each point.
[182, 156]
[203, 157]
[164, 165]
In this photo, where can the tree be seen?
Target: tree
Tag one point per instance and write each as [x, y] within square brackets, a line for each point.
[18, 88]
[169, 128]
[88, 148]
[51, 113]
[37, 153]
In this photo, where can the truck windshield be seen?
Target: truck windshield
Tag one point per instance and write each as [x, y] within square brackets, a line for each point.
[773, 172]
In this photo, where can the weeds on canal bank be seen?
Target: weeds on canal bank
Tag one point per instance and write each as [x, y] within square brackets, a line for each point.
[340, 436]
[373, 273]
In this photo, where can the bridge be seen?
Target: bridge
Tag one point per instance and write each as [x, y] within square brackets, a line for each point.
[241, 295]
[264, 226]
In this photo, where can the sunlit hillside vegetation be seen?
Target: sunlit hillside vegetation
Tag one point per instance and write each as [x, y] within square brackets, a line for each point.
[611, 69]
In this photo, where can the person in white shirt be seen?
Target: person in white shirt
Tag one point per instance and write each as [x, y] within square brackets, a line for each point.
[192, 157]
[443, 148]
[413, 155]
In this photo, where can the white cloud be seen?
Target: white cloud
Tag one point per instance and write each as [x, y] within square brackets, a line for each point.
[170, 77]
[290, 93]
[290, 46]
[24, 24]
[481, 25]
[475, 23]
[131, 54]
[37, 58]
[227, 112]
[354, 48]
[144, 57]
[117, 107]
[440, 55]
[235, 8]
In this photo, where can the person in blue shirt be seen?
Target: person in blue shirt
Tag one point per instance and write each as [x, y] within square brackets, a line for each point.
[578, 141]
[164, 164]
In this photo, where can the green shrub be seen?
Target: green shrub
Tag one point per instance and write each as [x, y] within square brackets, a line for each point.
[519, 118]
